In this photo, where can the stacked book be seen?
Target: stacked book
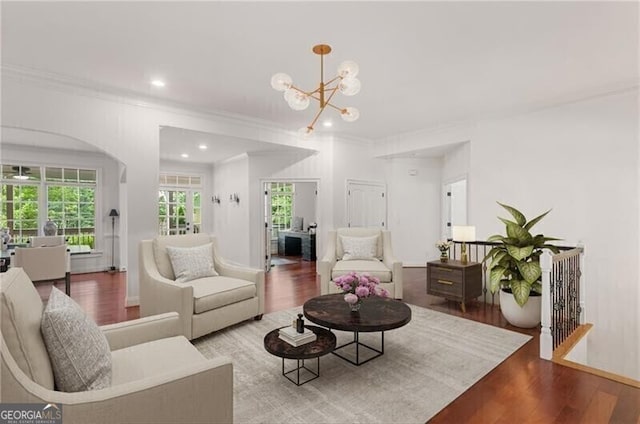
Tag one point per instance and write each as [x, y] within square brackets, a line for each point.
[291, 336]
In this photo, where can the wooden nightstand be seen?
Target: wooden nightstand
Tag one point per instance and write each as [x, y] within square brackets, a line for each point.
[454, 280]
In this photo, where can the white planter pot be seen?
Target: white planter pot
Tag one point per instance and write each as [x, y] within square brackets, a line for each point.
[527, 316]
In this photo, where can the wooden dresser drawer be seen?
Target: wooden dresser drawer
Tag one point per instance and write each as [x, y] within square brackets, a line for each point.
[445, 287]
[450, 274]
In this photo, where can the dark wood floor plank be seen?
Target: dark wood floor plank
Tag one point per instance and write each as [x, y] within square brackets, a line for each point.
[523, 389]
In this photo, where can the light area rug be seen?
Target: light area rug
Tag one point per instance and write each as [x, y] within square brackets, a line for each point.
[426, 365]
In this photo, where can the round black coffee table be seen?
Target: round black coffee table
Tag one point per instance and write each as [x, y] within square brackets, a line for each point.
[324, 343]
[376, 314]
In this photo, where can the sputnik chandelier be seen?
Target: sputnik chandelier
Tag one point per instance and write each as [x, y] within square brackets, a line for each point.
[345, 82]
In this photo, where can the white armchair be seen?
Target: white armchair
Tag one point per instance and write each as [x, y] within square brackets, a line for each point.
[380, 263]
[45, 263]
[158, 376]
[205, 304]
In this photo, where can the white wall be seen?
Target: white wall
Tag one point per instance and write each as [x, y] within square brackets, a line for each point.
[304, 202]
[231, 219]
[413, 203]
[581, 161]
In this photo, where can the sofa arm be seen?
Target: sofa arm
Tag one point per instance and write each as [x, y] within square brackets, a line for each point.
[130, 333]
[396, 274]
[199, 392]
[325, 267]
[158, 296]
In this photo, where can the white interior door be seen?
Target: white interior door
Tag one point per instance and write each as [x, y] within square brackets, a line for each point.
[366, 204]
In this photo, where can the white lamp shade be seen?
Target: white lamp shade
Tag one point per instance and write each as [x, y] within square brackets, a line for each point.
[348, 69]
[349, 86]
[463, 233]
[350, 114]
[281, 81]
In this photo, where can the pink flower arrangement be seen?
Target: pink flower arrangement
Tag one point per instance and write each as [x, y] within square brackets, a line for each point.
[358, 286]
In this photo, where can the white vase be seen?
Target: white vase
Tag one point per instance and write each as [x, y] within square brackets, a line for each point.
[527, 316]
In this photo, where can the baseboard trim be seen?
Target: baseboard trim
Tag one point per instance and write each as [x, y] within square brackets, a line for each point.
[131, 301]
[563, 350]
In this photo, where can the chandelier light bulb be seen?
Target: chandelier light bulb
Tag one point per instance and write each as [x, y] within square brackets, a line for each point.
[281, 81]
[296, 99]
[349, 86]
[350, 114]
[348, 69]
[305, 132]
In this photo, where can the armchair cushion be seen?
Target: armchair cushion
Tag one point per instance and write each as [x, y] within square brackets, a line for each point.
[375, 269]
[358, 232]
[150, 359]
[215, 292]
[78, 350]
[160, 243]
[191, 263]
[359, 248]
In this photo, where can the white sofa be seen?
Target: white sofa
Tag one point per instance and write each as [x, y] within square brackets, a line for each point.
[157, 375]
[205, 304]
[384, 266]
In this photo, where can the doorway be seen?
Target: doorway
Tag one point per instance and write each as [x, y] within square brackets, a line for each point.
[454, 205]
[290, 222]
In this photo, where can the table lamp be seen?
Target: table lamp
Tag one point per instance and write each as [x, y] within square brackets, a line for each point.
[463, 233]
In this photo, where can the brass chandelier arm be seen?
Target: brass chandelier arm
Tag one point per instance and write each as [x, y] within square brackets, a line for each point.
[322, 106]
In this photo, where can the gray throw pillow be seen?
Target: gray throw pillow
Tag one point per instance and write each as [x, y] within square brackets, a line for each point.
[78, 349]
[191, 263]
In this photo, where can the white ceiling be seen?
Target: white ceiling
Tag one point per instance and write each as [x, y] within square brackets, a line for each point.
[422, 64]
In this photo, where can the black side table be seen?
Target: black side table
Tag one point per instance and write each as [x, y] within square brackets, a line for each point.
[324, 343]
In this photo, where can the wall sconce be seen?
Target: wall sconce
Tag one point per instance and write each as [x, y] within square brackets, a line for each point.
[234, 198]
[215, 199]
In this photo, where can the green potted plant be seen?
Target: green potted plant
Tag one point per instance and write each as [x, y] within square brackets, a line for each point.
[515, 268]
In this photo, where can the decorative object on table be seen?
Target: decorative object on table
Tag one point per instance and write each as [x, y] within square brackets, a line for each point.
[113, 214]
[312, 227]
[295, 338]
[6, 238]
[443, 246]
[515, 268]
[50, 228]
[345, 82]
[359, 286]
[300, 324]
[463, 233]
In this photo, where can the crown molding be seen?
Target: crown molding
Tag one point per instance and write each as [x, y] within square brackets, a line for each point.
[89, 88]
[599, 92]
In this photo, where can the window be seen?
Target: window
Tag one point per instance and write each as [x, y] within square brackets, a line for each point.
[281, 205]
[179, 204]
[67, 196]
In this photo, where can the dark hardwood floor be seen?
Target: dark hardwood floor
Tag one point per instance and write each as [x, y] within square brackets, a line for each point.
[523, 389]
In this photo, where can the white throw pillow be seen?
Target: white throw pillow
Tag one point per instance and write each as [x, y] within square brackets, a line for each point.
[359, 248]
[78, 349]
[191, 263]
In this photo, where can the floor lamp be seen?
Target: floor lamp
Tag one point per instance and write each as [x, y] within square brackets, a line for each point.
[113, 214]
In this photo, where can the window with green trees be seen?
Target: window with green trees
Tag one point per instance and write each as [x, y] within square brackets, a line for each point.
[281, 205]
[32, 195]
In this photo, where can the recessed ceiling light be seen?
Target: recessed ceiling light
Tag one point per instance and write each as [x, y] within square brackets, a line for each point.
[184, 155]
[202, 147]
[158, 83]
[327, 124]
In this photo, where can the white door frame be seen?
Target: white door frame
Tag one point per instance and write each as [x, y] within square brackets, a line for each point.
[263, 233]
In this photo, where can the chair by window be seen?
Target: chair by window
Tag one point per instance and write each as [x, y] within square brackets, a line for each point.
[45, 263]
[46, 241]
